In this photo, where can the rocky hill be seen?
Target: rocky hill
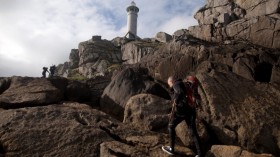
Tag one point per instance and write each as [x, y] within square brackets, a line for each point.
[110, 98]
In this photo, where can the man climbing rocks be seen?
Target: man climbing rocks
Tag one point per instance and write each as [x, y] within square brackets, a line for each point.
[45, 70]
[181, 111]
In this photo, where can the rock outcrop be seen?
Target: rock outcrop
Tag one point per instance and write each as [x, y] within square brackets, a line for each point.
[244, 114]
[127, 83]
[96, 56]
[26, 91]
[55, 130]
[114, 148]
[93, 58]
[62, 70]
[97, 86]
[72, 129]
[147, 112]
[4, 84]
[78, 92]
[163, 37]
[232, 151]
[234, 52]
[184, 56]
[251, 69]
[254, 21]
[74, 59]
[132, 52]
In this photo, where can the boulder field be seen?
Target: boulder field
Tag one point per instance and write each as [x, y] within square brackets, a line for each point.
[111, 100]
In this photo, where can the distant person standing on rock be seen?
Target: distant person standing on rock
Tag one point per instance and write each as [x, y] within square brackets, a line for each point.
[181, 110]
[45, 70]
[52, 69]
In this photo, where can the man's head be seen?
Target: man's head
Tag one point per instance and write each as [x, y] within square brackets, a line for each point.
[170, 81]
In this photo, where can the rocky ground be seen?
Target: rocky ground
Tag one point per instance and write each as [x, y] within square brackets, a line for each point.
[110, 98]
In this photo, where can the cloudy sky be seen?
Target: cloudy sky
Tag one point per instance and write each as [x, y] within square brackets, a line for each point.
[37, 33]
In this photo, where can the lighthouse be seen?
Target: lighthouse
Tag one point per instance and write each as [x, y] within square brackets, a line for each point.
[132, 14]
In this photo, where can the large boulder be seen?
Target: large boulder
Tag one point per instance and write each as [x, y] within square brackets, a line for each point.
[96, 56]
[148, 112]
[256, 8]
[4, 84]
[93, 69]
[163, 37]
[133, 52]
[97, 86]
[232, 151]
[219, 12]
[183, 57]
[241, 112]
[255, 21]
[78, 92]
[26, 91]
[74, 59]
[114, 148]
[62, 70]
[180, 32]
[275, 77]
[127, 83]
[119, 41]
[261, 30]
[183, 132]
[244, 66]
[55, 130]
[73, 129]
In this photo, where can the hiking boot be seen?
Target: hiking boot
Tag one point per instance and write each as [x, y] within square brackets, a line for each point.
[167, 150]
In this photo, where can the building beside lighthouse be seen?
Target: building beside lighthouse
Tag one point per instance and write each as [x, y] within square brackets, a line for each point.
[132, 15]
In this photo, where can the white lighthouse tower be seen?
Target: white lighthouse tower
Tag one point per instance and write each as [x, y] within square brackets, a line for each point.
[132, 14]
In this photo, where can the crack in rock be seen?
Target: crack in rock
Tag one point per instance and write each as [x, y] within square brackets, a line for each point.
[116, 137]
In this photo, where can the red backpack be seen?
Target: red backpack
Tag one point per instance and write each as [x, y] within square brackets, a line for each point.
[191, 85]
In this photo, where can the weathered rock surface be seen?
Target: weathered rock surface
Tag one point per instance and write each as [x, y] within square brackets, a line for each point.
[92, 58]
[163, 37]
[55, 130]
[183, 133]
[4, 84]
[62, 70]
[119, 41]
[114, 148]
[233, 52]
[235, 118]
[96, 56]
[180, 32]
[127, 83]
[74, 59]
[26, 91]
[184, 56]
[78, 92]
[244, 114]
[275, 76]
[147, 112]
[73, 129]
[219, 12]
[258, 7]
[132, 52]
[97, 86]
[254, 21]
[232, 151]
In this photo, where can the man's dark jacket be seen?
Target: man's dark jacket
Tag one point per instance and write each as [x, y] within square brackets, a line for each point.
[179, 97]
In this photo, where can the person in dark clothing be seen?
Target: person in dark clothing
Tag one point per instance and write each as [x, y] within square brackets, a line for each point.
[45, 70]
[52, 70]
[181, 111]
